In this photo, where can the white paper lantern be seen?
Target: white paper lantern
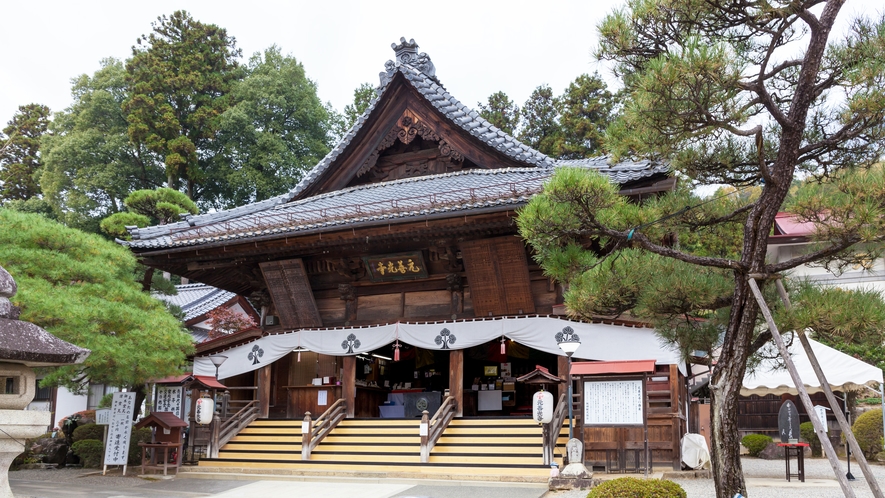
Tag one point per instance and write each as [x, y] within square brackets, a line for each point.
[542, 407]
[205, 409]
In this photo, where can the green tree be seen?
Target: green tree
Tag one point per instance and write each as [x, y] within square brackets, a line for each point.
[178, 85]
[501, 112]
[362, 97]
[91, 165]
[709, 89]
[146, 208]
[540, 119]
[81, 288]
[277, 130]
[585, 110]
[20, 158]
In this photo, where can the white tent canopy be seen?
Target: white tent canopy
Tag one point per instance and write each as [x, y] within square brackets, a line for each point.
[843, 372]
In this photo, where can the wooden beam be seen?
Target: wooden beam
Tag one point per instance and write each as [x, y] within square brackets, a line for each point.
[562, 370]
[847, 490]
[840, 417]
[456, 379]
[264, 391]
[348, 384]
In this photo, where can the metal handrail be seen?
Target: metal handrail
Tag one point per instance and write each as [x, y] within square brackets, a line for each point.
[436, 426]
[553, 429]
[316, 430]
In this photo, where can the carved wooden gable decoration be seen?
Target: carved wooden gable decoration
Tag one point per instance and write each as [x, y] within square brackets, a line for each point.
[412, 147]
[498, 276]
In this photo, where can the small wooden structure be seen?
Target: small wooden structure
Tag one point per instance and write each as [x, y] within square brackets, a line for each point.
[638, 413]
[167, 435]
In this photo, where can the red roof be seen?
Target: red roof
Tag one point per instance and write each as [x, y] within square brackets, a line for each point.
[166, 420]
[176, 379]
[207, 381]
[612, 367]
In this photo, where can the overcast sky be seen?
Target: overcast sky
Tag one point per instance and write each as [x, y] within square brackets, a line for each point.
[478, 46]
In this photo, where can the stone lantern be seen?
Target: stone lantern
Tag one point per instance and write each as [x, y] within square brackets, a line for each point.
[23, 345]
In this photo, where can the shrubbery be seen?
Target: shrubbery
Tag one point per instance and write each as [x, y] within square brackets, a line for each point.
[806, 430]
[89, 451]
[88, 431]
[631, 487]
[755, 443]
[142, 435]
[867, 430]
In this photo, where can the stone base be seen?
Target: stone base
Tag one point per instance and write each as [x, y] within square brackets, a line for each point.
[576, 471]
[569, 483]
[688, 474]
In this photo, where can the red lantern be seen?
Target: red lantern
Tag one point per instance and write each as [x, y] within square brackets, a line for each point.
[503, 346]
[396, 351]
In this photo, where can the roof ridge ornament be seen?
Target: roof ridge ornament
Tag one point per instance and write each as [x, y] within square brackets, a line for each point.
[407, 54]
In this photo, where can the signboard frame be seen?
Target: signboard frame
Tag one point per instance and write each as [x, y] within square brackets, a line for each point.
[119, 429]
[585, 380]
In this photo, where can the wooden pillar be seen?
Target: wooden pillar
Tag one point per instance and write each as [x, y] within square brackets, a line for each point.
[562, 371]
[456, 379]
[676, 422]
[264, 391]
[348, 385]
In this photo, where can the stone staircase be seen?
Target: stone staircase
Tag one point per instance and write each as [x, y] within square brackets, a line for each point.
[495, 449]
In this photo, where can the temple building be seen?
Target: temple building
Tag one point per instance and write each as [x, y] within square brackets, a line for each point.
[392, 280]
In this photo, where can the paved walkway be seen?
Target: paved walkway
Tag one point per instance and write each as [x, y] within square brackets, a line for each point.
[68, 485]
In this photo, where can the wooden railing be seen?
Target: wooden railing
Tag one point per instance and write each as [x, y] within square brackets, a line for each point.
[313, 431]
[431, 430]
[552, 430]
[224, 429]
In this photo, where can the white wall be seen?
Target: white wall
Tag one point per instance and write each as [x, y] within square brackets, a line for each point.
[68, 403]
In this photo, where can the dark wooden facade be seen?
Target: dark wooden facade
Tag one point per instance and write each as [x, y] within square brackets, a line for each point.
[308, 268]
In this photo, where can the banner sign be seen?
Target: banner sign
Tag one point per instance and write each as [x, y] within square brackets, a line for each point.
[403, 266]
[602, 341]
[120, 429]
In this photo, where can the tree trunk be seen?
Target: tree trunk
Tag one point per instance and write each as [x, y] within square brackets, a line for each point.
[146, 281]
[725, 386]
[140, 395]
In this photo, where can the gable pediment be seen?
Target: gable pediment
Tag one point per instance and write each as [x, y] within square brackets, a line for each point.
[404, 135]
[412, 147]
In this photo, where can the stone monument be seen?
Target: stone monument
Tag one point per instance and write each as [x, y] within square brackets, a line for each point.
[575, 475]
[23, 345]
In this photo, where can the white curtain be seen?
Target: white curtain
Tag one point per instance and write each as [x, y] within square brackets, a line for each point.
[598, 341]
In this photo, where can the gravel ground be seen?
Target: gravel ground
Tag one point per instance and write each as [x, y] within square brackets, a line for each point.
[765, 479]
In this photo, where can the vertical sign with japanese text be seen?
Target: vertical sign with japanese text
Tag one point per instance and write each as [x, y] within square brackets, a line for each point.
[120, 429]
[169, 399]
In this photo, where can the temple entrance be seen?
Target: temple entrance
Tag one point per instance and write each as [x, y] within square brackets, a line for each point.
[387, 388]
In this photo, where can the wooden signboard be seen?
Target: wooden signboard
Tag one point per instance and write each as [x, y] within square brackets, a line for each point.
[119, 430]
[392, 267]
[291, 293]
[614, 402]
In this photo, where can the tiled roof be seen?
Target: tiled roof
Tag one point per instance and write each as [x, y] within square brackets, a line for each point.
[421, 196]
[197, 299]
[412, 197]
